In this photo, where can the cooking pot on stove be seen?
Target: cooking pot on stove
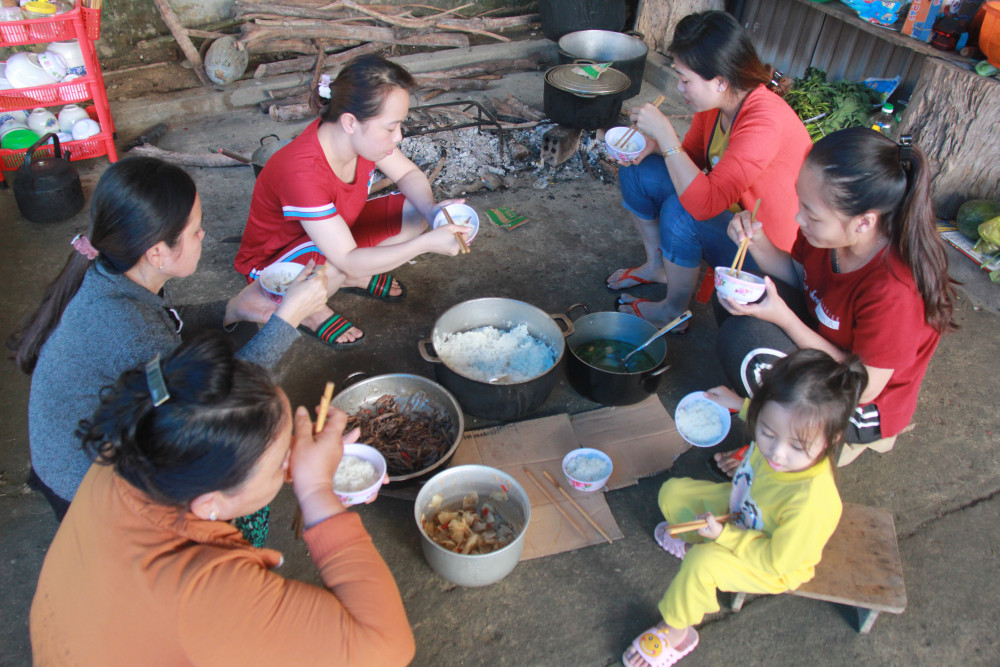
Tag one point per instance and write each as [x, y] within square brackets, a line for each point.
[47, 189]
[269, 145]
[624, 50]
[613, 387]
[579, 102]
[501, 401]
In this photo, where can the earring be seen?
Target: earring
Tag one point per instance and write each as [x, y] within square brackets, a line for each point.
[720, 90]
[212, 516]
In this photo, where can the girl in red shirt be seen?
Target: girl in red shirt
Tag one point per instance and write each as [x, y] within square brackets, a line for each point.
[869, 276]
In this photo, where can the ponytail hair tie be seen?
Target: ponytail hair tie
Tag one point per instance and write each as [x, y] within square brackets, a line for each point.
[82, 245]
[324, 86]
[905, 150]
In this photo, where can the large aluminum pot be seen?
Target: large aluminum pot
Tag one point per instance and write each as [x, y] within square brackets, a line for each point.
[610, 387]
[446, 491]
[497, 400]
[364, 393]
[624, 50]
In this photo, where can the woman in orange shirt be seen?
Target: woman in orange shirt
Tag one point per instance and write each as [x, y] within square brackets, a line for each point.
[146, 567]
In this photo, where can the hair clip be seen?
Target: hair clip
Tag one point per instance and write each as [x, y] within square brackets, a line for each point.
[82, 245]
[324, 86]
[905, 149]
[157, 385]
[776, 78]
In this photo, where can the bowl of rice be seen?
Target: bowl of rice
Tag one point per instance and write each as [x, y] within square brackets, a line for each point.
[635, 144]
[587, 469]
[359, 475]
[701, 421]
[463, 216]
[743, 287]
[276, 278]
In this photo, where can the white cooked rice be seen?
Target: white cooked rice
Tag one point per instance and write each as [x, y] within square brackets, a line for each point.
[699, 420]
[353, 474]
[487, 352]
[587, 468]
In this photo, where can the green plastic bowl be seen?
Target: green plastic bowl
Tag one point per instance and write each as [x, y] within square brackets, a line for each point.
[18, 139]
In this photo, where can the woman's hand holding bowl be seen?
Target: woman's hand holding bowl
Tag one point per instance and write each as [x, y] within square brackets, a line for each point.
[650, 148]
[771, 308]
[313, 462]
[309, 292]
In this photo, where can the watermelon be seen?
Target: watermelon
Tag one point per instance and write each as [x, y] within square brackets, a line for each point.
[973, 213]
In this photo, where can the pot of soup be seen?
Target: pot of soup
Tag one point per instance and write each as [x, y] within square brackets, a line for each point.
[499, 357]
[597, 346]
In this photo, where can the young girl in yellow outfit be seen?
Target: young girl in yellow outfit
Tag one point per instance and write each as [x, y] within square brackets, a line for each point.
[783, 500]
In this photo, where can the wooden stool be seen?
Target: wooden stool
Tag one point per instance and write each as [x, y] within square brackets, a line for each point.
[860, 567]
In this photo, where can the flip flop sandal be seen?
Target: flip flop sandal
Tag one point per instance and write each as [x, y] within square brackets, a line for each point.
[379, 287]
[653, 647]
[332, 327]
[627, 275]
[634, 305]
[674, 546]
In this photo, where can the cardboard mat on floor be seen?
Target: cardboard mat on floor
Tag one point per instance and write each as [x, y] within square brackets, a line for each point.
[641, 440]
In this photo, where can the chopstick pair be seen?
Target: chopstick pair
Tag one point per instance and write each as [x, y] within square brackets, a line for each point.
[324, 409]
[687, 527]
[464, 247]
[741, 254]
[631, 132]
[573, 502]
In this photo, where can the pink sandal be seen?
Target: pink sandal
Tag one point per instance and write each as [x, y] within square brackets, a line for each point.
[652, 646]
[674, 546]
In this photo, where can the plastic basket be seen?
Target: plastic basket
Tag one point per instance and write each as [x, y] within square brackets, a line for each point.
[78, 150]
[49, 94]
[58, 28]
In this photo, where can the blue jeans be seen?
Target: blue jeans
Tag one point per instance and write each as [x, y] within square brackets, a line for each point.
[648, 193]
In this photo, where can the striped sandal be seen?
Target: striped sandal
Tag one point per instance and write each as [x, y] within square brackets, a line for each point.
[331, 328]
[379, 287]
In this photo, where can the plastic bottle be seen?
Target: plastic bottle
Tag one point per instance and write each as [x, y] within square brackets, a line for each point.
[884, 121]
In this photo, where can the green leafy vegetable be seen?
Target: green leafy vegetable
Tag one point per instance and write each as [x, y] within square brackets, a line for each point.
[826, 107]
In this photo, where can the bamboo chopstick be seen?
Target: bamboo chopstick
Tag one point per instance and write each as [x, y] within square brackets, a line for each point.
[631, 132]
[556, 503]
[576, 505]
[324, 407]
[679, 528]
[741, 254]
[461, 239]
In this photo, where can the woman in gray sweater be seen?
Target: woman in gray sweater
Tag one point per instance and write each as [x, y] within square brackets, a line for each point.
[109, 310]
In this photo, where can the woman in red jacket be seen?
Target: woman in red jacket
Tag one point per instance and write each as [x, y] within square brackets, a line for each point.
[146, 566]
[745, 144]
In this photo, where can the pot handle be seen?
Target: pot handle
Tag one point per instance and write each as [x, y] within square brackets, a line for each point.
[584, 61]
[659, 371]
[634, 33]
[356, 376]
[564, 323]
[586, 308]
[38, 144]
[267, 136]
[422, 346]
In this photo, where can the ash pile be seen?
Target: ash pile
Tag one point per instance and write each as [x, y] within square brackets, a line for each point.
[463, 161]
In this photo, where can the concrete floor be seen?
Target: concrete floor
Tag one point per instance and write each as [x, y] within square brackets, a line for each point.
[583, 607]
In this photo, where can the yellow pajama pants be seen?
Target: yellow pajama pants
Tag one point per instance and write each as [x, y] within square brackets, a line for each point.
[707, 567]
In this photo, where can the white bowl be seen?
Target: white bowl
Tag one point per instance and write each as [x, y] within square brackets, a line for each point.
[276, 278]
[635, 145]
[71, 54]
[85, 128]
[41, 121]
[684, 419]
[53, 64]
[587, 483]
[69, 115]
[461, 215]
[23, 71]
[373, 456]
[742, 288]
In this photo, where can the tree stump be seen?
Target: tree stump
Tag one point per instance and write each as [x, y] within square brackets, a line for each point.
[952, 116]
[656, 19]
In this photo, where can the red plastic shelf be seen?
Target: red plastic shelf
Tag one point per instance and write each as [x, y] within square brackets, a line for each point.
[58, 28]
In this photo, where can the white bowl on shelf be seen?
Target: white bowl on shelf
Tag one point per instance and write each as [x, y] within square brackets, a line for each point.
[24, 71]
[85, 128]
[69, 115]
[41, 121]
[53, 64]
[71, 54]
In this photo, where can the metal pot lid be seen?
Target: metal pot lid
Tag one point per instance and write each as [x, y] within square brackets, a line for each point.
[610, 82]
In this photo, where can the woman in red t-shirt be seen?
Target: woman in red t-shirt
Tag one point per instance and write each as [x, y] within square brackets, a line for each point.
[870, 271]
[311, 199]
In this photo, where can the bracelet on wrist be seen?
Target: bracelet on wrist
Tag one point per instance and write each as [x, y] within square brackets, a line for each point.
[672, 151]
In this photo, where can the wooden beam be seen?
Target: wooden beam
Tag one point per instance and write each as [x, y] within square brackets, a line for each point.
[181, 36]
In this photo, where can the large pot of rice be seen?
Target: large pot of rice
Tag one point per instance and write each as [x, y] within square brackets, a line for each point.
[499, 357]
